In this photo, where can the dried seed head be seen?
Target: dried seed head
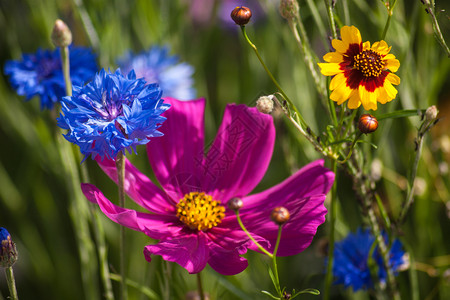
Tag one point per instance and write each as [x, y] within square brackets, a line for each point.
[367, 123]
[265, 104]
[235, 204]
[289, 9]
[241, 15]
[280, 215]
[431, 113]
[61, 34]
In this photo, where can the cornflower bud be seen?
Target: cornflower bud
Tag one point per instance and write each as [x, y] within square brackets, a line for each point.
[235, 204]
[367, 123]
[8, 252]
[289, 9]
[280, 215]
[241, 15]
[265, 104]
[61, 34]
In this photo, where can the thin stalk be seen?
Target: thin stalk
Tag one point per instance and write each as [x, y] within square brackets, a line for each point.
[332, 222]
[437, 30]
[11, 283]
[200, 286]
[66, 70]
[251, 237]
[302, 121]
[120, 165]
[390, 9]
[274, 261]
[330, 15]
[87, 24]
[410, 196]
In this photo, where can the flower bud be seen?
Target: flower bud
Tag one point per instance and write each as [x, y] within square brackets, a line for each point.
[265, 104]
[367, 123]
[280, 215]
[289, 9]
[235, 204]
[8, 252]
[194, 295]
[241, 15]
[61, 34]
[431, 113]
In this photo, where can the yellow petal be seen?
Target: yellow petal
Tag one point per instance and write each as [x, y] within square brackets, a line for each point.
[392, 64]
[381, 47]
[366, 46]
[333, 57]
[337, 81]
[350, 35]
[329, 69]
[368, 99]
[354, 101]
[383, 97]
[341, 94]
[339, 45]
[392, 78]
[390, 90]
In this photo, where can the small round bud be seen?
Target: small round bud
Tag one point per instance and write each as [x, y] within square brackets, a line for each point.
[288, 9]
[8, 252]
[431, 113]
[61, 34]
[367, 123]
[235, 204]
[241, 15]
[265, 104]
[280, 215]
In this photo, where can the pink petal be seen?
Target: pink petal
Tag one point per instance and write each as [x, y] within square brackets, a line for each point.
[177, 156]
[312, 179]
[240, 153]
[139, 187]
[306, 215]
[227, 262]
[153, 225]
[189, 251]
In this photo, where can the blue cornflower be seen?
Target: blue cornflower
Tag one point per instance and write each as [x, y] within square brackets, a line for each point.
[112, 113]
[351, 260]
[41, 73]
[8, 252]
[156, 65]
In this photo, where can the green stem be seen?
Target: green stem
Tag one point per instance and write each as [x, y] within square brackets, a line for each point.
[274, 261]
[11, 283]
[330, 15]
[351, 149]
[120, 165]
[390, 8]
[251, 237]
[332, 222]
[200, 286]
[436, 28]
[66, 70]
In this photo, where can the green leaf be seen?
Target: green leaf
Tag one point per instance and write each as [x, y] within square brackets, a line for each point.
[401, 114]
[307, 291]
[270, 295]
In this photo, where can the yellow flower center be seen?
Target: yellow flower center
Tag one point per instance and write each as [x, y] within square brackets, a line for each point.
[369, 63]
[199, 211]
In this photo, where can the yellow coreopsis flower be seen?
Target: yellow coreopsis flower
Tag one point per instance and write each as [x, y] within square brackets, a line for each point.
[362, 74]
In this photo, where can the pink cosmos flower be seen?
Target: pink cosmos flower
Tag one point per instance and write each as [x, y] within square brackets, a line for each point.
[189, 215]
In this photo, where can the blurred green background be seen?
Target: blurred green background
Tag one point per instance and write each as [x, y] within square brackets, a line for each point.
[35, 202]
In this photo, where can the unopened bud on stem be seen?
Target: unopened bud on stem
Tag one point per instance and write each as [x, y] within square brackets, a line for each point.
[8, 252]
[289, 9]
[280, 215]
[61, 34]
[265, 104]
[235, 204]
[241, 15]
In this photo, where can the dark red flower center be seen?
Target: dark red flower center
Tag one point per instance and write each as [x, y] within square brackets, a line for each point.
[369, 62]
[199, 211]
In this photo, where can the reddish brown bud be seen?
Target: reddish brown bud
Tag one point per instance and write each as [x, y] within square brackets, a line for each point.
[241, 15]
[280, 215]
[235, 204]
[367, 123]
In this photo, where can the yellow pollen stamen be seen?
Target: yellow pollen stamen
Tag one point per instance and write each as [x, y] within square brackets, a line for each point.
[369, 63]
[199, 211]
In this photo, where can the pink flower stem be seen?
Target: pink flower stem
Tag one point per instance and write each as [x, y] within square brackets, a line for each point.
[120, 165]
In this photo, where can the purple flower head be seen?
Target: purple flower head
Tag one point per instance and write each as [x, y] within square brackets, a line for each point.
[235, 163]
[351, 260]
[157, 66]
[41, 73]
[111, 114]
[8, 252]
